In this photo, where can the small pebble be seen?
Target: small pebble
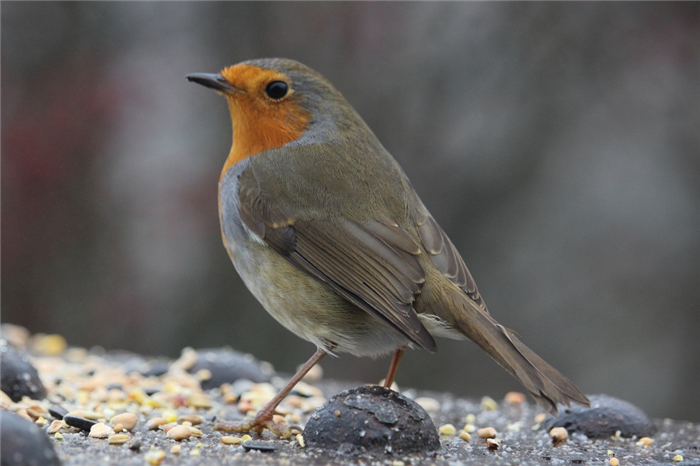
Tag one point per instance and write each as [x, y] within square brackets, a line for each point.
[79, 422]
[487, 432]
[100, 430]
[118, 439]
[447, 429]
[134, 444]
[154, 457]
[465, 436]
[230, 440]
[614, 462]
[514, 398]
[179, 433]
[58, 411]
[558, 434]
[259, 445]
[127, 420]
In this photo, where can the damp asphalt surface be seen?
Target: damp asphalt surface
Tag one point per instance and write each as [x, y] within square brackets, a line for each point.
[102, 385]
[520, 443]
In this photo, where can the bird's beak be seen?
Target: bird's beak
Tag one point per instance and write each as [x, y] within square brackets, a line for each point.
[213, 81]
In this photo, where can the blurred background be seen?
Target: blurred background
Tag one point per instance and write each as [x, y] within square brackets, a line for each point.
[558, 144]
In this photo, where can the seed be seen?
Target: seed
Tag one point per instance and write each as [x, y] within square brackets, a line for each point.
[431, 405]
[194, 431]
[154, 457]
[118, 439]
[179, 433]
[514, 398]
[100, 430]
[558, 434]
[614, 462]
[300, 440]
[645, 442]
[493, 443]
[487, 432]
[489, 403]
[127, 420]
[54, 427]
[465, 436]
[447, 429]
[156, 422]
[230, 440]
[175, 450]
[678, 458]
[194, 419]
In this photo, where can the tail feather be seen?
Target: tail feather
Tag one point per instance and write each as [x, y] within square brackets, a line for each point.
[547, 385]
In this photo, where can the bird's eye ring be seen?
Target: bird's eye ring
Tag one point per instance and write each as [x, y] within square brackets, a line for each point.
[276, 90]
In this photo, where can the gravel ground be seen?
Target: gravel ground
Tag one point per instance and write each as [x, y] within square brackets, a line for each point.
[103, 385]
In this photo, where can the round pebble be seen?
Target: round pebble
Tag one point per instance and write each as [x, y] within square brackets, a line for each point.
[227, 366]
[127, 420]
[606, 416]
[19, 377]
[23, 443]
[372, 419]
[179, 433]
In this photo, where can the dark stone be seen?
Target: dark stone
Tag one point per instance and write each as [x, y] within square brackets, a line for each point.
[604, 418]
[22, 443]
[135, 443]
[228, 366]
[58, 411]
[79, 422]
[372, 419]
[156, 369]
[259, 445]
[19, 378]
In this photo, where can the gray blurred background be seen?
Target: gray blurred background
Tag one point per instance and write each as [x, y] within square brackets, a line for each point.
[557, 144]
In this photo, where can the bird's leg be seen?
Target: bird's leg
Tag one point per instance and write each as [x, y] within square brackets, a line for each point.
[395, 360]
[263, 419]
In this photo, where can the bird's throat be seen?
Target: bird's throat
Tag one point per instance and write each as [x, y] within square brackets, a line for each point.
[259, 128]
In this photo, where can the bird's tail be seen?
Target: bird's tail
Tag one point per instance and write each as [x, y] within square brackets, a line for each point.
[543, 381]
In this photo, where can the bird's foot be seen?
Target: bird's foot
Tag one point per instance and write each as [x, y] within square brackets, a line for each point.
[257, 424]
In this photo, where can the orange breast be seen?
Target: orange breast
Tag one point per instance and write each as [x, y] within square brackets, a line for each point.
[259, 123]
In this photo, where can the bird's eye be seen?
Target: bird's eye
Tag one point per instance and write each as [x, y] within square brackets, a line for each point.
[276, 90]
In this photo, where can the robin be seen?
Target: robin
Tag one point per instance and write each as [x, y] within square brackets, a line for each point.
[327, 232]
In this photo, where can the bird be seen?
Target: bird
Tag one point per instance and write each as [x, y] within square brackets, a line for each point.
[327, 232]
